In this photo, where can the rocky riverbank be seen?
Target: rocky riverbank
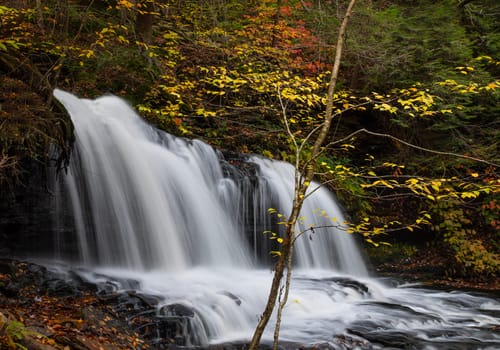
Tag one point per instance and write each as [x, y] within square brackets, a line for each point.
[45, 310]
[42, 311]
[434, 266]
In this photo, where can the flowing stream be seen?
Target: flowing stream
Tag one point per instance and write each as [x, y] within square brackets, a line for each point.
[180, 221]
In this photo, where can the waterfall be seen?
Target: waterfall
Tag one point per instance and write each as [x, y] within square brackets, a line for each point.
[143, 199]
[328, 246]
[173, 220]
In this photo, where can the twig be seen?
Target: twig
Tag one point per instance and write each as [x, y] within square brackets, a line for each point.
[424, 149]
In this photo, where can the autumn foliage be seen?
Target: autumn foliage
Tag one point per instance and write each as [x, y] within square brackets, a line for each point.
[225, 71]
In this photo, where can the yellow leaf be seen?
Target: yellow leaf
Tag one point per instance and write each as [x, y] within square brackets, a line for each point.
[492, 86]
[435, 185]
[368, 240]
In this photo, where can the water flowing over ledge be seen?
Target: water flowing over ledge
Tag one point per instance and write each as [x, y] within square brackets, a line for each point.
[171, 215]
[143, 199]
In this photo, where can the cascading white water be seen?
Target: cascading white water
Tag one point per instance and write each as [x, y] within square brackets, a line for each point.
[328, 246]
[161, 211]
[144, 199]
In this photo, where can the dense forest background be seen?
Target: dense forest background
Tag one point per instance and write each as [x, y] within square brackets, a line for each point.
[416, 77]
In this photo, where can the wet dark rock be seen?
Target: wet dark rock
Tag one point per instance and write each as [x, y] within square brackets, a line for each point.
[236, 299]
[170, 330]
[389, 340]
[113, 283]
[79, 342]
[106, 289]
[401, 311]
[79, 280]
[283, 345]
[235, 165]
[350, 283]
[344, 341]
[5, 266]
[10, 290]
[107, 296]
[129, 303]
[26, 218]
[177, 310]
[39, 278]
[61, 288]
[149, 300]
[161, 328]
[36, 269]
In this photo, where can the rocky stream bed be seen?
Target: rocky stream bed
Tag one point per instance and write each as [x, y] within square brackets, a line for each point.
[44, 310]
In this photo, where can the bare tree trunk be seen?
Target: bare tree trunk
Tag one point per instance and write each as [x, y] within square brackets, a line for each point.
[273, 295]
[39, 14]
[276, 21]
[461, 4]
[301, 186]
[144, 20]
[284, 300]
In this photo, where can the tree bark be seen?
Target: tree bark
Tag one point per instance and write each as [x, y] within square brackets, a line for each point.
[144, 21]
[462, 4]
[39, 14]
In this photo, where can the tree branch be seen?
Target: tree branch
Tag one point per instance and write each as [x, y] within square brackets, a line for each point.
[424, 149]
[462, 3]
